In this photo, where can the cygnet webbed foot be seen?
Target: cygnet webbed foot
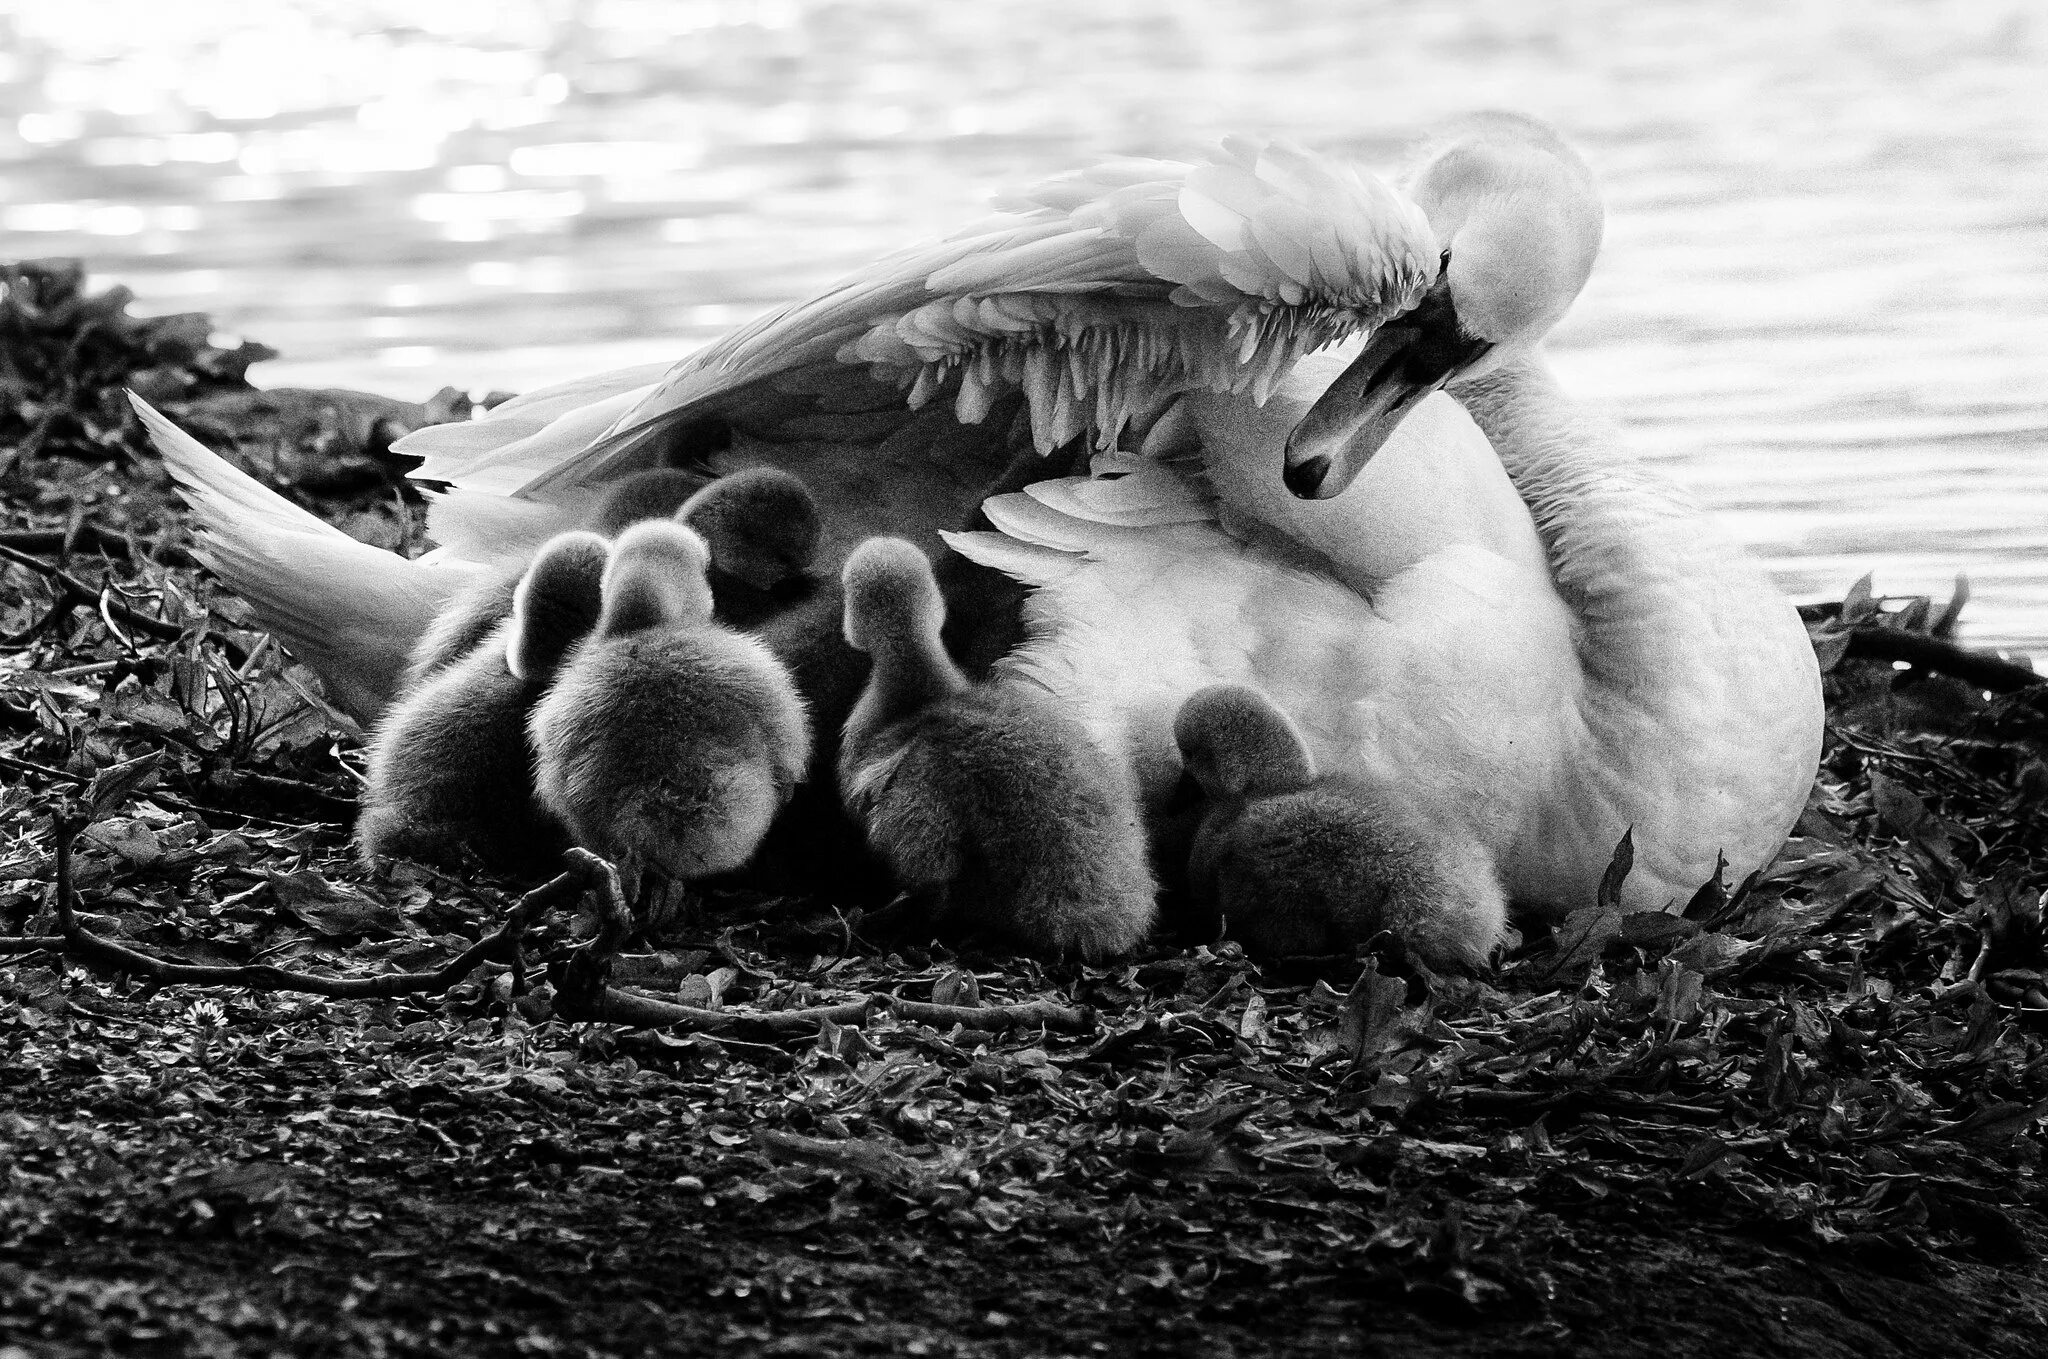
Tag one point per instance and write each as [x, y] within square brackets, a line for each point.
[661, 904]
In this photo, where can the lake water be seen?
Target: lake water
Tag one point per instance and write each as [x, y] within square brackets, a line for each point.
[1823, 302]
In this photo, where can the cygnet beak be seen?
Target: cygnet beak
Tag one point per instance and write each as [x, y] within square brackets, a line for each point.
[1185, 797]
[794, 588]
[1406, 360]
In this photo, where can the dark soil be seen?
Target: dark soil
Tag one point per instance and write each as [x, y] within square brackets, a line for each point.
[1800, 1115]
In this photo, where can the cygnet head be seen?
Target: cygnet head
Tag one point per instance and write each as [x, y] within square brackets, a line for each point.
[555, 603]
[1519, 219]
[891, 596]
[761, 523]
[654, 494]
[655, 578]
[1236, 743]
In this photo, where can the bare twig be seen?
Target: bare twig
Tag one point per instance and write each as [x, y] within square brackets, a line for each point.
[248, 667]
[88, 536]
[582, 990]
[47, 771]
[500, 946]
[80, 671]
[31, 943]
[613, 1006]
[154, 794]
[73, 593]
[1983, 954]
[335, 809]
[865, 1157]
[1028, 1014]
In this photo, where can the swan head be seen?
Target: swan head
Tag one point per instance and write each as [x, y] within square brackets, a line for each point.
[1235, 743]
[655, 577]
[1520, 220]
[556, 602]
[654, 494]
[891, 596]
[761, 523]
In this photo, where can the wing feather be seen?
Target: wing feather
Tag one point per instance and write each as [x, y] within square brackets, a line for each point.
[1145, 275]
[1025, 563]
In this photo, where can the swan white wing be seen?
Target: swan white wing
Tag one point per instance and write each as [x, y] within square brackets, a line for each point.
[528, 434]
[1098, 295]
[348, 611]
[476, 527]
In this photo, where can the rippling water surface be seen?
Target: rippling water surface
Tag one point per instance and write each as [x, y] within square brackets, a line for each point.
[1823, 302]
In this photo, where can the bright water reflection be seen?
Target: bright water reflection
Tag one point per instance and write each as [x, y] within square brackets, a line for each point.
[1824, 300]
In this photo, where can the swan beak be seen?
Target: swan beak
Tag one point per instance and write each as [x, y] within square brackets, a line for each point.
[1405, 361]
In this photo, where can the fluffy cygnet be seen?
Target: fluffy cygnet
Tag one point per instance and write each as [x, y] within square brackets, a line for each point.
[449, 764]
[990, 804]
[668, 741]
[1300, 864]
[761, 525]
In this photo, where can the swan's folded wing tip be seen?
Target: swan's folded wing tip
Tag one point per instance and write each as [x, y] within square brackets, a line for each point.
[1027, 563]
[1138, 495]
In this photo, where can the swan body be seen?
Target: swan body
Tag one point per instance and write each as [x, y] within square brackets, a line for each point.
[1637, 672]
[450, 769]
[668, 741]
[987, 800]
[1489, 608]
[1294, 862]
[1084, 310]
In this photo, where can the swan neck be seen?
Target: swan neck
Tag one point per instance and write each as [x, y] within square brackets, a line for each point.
[1561, 462]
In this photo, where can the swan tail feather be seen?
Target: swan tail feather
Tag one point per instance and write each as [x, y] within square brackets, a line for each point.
[348, 611]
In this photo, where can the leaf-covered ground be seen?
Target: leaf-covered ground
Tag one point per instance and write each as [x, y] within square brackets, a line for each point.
[1803, 1116]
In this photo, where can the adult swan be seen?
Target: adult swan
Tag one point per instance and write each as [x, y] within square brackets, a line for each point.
[1536, 642]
